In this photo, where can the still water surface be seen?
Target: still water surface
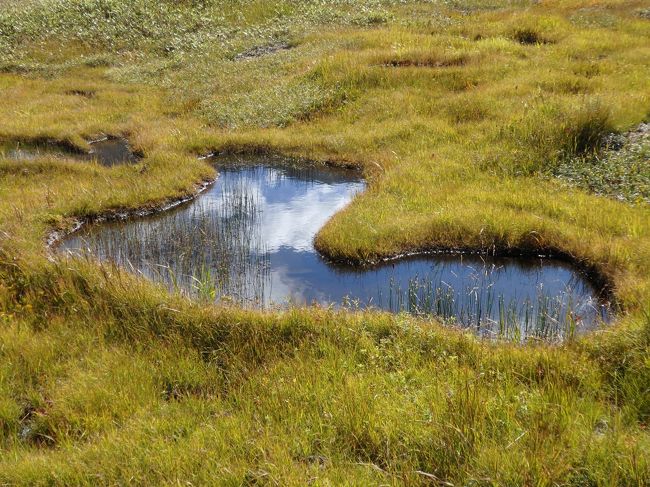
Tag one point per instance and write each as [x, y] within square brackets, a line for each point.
[111, 151]
[249, 239]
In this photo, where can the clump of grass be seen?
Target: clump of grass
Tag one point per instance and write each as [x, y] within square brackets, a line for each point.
[529, 36]
[550, 131]
[586, 129]
[268, 106]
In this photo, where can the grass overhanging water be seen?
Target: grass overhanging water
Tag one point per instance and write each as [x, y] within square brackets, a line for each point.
[247, 241]
[457, 113]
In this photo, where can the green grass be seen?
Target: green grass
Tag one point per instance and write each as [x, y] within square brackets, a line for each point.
[457, 112]
[620, 172]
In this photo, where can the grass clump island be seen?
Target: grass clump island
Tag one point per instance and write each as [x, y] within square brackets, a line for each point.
[476, 124]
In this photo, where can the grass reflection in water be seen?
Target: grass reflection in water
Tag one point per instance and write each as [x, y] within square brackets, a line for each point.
[248, 240]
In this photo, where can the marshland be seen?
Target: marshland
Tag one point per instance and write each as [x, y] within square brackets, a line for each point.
[325, 242]
[248, 240]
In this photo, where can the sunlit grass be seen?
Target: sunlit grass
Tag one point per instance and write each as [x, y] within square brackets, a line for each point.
[456, 111]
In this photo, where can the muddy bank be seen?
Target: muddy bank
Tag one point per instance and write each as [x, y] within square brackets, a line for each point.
[261, 51]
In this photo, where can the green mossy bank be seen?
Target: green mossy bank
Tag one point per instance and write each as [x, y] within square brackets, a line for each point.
[459, 113]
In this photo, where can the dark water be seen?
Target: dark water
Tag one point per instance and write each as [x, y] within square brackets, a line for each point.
[112, 152]
[248, 239]
[108, 152]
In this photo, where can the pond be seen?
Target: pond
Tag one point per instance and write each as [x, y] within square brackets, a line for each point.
[110, 151]
[249, 240]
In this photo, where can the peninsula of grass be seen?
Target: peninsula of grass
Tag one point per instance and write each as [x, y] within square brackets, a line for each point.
[459, 113]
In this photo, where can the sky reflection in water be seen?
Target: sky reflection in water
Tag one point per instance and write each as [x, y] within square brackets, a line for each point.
[250, 237]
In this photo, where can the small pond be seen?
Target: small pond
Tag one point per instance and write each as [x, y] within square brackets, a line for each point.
[249, 239]
[111, 151]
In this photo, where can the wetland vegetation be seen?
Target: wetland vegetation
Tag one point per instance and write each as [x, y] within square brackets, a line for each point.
[249, 240]
[479, 125]
[107, 151]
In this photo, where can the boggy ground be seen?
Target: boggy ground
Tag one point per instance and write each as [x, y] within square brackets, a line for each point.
[457, 111]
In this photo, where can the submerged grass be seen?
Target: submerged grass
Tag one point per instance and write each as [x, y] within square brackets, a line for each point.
[107, 379]
[476, 306]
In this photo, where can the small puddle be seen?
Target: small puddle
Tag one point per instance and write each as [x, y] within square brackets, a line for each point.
[249, 239]
[108, 152]
[112, 152]
[261, 51]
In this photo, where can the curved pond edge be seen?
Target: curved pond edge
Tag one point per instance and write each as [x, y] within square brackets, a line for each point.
[69, 148]
[56, 236]
[112, 215]
[591, 271]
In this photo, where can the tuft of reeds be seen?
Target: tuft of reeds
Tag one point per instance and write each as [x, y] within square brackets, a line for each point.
[476, 306]
[215, 250]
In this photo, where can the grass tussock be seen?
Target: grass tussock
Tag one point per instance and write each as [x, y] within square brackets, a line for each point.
[528, 36]
[106, 376]
[193, 378]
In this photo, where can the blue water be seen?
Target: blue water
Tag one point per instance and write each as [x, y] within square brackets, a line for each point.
[249, 240]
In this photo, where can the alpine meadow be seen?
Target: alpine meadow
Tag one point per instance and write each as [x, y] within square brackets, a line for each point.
[511, 134]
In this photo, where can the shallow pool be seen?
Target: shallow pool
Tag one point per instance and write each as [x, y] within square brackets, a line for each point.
[110, 151]
[249, 240]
